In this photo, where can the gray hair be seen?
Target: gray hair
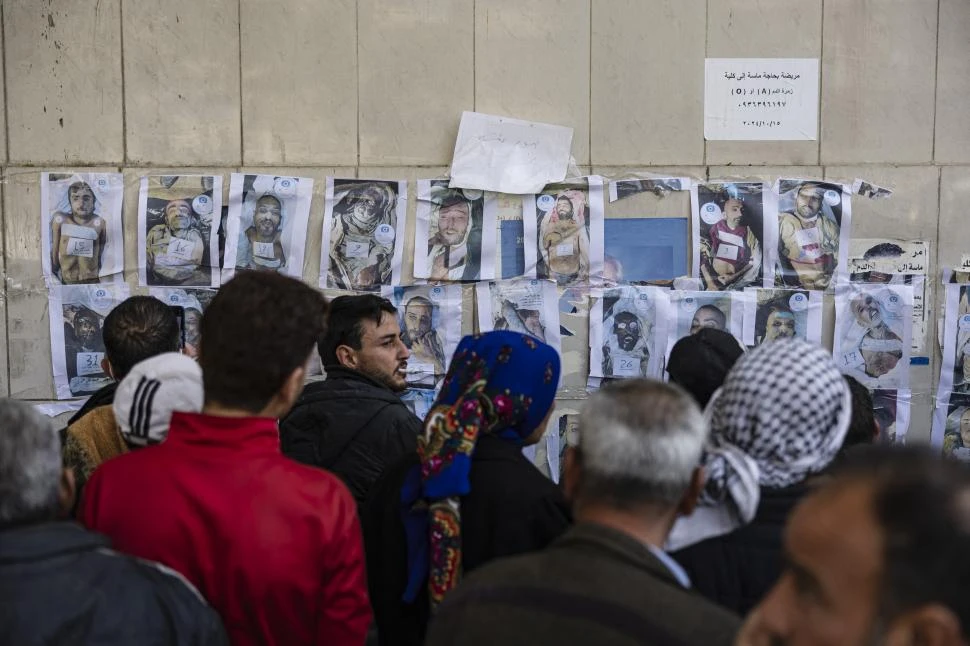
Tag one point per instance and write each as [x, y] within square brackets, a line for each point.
[30, 465]
[639, 442]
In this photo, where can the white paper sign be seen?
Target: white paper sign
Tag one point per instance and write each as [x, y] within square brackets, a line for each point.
[509, 155]
[181, 249]
[80, 247]
[264, 250]
[761, 99]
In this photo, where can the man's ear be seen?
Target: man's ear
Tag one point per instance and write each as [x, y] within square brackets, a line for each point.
[106, 368]
[689, 502]
[929, 625]
[66, 492]
[347, 356]
[571, 473]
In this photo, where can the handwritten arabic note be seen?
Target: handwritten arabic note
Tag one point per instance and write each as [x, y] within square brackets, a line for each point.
[761, 99]
[509, 155]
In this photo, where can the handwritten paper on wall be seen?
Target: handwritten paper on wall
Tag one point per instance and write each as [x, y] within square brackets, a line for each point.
[761, 99]
[509, 155]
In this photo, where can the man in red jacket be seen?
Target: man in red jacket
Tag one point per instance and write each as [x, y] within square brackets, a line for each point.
[274, 545]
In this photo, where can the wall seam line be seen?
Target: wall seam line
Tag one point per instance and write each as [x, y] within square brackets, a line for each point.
[242, 135]
[936, 89]
[124, 102]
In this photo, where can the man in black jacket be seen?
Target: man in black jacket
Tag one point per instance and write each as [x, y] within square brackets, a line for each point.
[354, 423]
[61, 584]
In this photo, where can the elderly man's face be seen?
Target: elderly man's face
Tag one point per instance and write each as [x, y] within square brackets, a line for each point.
[705, 317]
[82, 202]
[829, 592]
[564, 208]
[417, 320]
[86, 329]
[626, 327]
[808, 202]
[780, 325]
[267, 216]
[453, 222]
[866, 311]
[178, 215]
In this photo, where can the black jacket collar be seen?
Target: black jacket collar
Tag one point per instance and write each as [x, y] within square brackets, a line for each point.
[46, 540]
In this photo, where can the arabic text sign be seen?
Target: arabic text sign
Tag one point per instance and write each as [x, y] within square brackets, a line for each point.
[761, 99]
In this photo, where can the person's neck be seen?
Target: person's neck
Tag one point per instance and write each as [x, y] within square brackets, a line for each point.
[216, 409]
[649, 525]
[81, 221]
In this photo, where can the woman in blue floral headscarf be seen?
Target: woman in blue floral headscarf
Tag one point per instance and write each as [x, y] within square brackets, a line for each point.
[469, 495]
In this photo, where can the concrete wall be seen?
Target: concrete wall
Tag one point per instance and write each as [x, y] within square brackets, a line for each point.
[374, 88]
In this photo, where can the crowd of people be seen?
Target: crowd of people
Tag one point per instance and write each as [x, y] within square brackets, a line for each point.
[228, 502]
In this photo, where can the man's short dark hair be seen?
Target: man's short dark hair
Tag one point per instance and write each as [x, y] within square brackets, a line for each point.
[347, 313]
[140, 327]
[862, 426]
[259, 328]
[921, 503]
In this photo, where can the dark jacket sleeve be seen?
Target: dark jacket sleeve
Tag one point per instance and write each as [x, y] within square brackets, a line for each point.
[300, 439]
[191, 620]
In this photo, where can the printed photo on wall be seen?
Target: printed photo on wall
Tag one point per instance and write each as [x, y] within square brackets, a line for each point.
[627, 333]
[430, 319]
[729, 233]
[873, 333]
[689, 312]
[178, 226]
[419, 400]
[266, 229]
[771, 314]
[641, 250]
[510, 233]
[812, 233]
[891, 410]
[77, 314]
[951, 426]
[659, 186]
[193, 303]
[526, 306]
[454, 234]
[564, 231]
[363, 234]
[81, 229]
[955, 367]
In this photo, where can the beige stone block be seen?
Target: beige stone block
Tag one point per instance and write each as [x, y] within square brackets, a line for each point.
[63, 76]
[314, 235]
[764, 29]
[182, 82]
[647, 81]
[765, 173]
[29, 351]
[954, 208]
[953, 83]
[532, 61]
[299, 82]
[878, 81]
[417, 75]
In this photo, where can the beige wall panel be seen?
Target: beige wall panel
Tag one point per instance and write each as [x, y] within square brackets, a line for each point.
[953, 83]
[910, 214]
[417, 75]
[767, 173]
[954, 199]
[314, 235]
[648, 81]
[31, 374]
[764, 29]
[63, 78]
[182, 82]
[299, 82]
[532, 61]
[878, 81]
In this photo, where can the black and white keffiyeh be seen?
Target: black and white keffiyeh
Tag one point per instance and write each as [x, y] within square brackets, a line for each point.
[780, 416]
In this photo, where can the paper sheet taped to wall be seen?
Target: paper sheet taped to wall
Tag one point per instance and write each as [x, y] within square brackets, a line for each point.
[509, 155]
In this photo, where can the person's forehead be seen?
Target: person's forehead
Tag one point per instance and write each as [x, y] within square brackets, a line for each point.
[456, 207]
[418, 306]
[388, 325]
[809, 190]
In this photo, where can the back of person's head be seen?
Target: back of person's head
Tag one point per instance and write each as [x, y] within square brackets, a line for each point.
[640, 443]
[699, 362]
[152, 391]
[138, 328]
[259, 329]
[30, 466]
[344, 323]
[862, 428]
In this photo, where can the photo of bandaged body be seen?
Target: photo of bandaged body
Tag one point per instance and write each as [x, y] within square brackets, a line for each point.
[77, 343]
[81, 230]
[953, 423]
[527, 306]
[566, 221]
[728, 218]
[772, 314]
[194, 303]
[812, 228]
[456, 230]
[627, 335]
[430, 320]
[689, 312]
[267, 223]
[363, 231]
[873, 328]
[178, 225]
